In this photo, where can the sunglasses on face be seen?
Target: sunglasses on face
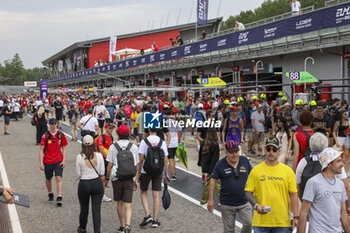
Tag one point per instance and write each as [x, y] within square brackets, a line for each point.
[269, 148]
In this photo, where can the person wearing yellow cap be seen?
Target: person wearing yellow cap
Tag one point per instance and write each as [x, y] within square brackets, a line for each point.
[255, 97]
[265, 105]
[297, 111]
[279, 99]
[240, 99]
[312, 105]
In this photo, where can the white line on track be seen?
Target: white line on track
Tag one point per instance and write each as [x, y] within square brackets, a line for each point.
[16, 225]
[181, 194]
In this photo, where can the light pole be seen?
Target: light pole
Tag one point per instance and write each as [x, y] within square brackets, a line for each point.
[257, 71]
[305, 63]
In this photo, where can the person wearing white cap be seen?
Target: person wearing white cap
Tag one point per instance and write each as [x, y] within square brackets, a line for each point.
[324, 197]
[90, 169]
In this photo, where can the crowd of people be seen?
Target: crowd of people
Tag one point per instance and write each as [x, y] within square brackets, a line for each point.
[314, 136]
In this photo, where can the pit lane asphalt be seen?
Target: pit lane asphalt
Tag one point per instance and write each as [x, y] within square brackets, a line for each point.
[20, 155]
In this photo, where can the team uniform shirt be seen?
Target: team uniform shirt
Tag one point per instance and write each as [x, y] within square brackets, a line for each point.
[24, 103]
[271, 186]
[59, 108]
[128, 110]
[121, 116]
[91, 124]
[53, 152]
[123, 144]
[81, 106]
[108, 143]
[154, 140]
[232, 189]
[326, 198]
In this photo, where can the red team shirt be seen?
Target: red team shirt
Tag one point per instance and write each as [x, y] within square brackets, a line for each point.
[24, 103]
[53, 150]
[106, 146]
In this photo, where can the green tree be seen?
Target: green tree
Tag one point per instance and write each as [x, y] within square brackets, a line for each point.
[15, 70]
[268, 8]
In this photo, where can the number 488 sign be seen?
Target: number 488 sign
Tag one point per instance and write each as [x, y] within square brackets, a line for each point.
[294, 76]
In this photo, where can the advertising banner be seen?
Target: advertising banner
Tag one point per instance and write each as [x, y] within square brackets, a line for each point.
[43, 90]
[202, 12]
[112, 44]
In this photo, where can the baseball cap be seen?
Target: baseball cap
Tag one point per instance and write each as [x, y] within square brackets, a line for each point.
[332, 109]
[231, 146]
[123, 130]
[52, 121]
[272, 141]
[88, 140]
[200, 105]
[328, 155]
[234, 108]
[215, 105]
[107, 125]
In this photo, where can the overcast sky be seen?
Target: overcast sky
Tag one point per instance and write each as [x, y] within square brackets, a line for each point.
[37, 29]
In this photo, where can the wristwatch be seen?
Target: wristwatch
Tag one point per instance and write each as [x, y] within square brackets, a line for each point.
[255, 206]
[1, 191]
[296, 217]
[106, 178]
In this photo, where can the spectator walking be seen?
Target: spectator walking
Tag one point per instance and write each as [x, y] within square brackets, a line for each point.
[210, 154]
[73, 116]
[324, 197]
[40, 118]
[99, 112]
[285, 136]
[232, 171]
[90, 169]
[58, 112]
[52, 158]
[270, 188]
[301, 138]
[152, 144]
[123, 185]
[111, 111]
[204, 35]
[88, 123]
[258, 125]
[7, 113]
[340, 135]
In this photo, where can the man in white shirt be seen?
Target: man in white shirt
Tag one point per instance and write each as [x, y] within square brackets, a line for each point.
[88, 122]
[1, 106]
[296, 7]
[122, 189]
[144, 179]
[16, 109]
[258, 124]
[239, 26]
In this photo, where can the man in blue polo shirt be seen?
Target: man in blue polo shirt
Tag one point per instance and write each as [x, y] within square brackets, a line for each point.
[233, 171]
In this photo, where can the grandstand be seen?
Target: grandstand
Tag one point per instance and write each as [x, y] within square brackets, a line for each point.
[322, 34]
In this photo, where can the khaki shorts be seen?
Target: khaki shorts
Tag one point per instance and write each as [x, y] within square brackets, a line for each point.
[249, 135]
[258, 138]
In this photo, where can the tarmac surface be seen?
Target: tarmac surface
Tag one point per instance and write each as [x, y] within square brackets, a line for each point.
[20, 155]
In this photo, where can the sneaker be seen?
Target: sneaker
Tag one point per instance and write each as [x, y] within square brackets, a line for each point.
[72, 139]
[59, 201]
[121, 229]
[50, 197]
[173, 178]
[155, 224]
[146, 220]
[127, 229]
[6, 133]
[79, 230]
[106, 199]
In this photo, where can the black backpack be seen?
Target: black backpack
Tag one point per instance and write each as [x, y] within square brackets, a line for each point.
[312, 168]
[307, 151]
[126, 164]
[154, 161]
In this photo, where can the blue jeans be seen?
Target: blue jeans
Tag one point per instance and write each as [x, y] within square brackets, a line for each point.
[271, 229]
